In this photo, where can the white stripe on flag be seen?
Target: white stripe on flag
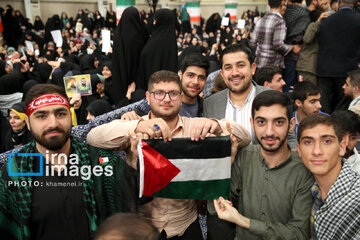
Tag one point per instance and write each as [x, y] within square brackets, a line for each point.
[202, 169]
[142, 169]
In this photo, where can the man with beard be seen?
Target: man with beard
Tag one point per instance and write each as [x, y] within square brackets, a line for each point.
[193, 75]
[270, 186]
[350, 124]
[234, 103]
[174, 218]
[59, 198]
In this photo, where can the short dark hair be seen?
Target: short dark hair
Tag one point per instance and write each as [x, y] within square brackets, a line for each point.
[197, 60]
[295, 1]
[41, 89]
[349, 121]
[234, 48]
[317, 119]
[274, 3]
[269, 98]
[304, 89]
[354, 76]
[127, 226]
[308, 2]
[163, 76]
[266, 74]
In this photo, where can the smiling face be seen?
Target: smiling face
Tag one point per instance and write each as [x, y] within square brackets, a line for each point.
[166, 108]
[106, 72]
[193, 81]
[237, 72]
[321, 150]
[271, 127]
[50, 126]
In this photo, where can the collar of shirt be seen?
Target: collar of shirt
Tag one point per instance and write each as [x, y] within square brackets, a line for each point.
[275, 13]
[297, 122]
[351, 159]
[249, 97]
[354, 102]
[341, 185]
[345, 7]
[282, 164]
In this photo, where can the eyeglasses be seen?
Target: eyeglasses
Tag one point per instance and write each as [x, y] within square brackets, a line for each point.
[160, 95]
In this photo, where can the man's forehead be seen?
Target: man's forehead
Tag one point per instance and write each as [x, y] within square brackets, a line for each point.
[319, 131]
[275, 111]
[51, 108]
[195, 69]
[166, 85]
[311, 97]
[235, 57]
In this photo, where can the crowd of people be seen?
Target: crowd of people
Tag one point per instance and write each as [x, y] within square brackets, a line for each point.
[285, 87]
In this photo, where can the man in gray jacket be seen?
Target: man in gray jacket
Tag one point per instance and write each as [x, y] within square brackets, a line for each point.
[234, 103]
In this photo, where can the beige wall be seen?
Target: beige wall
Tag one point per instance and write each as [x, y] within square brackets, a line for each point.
[51, 7]
[16, 4]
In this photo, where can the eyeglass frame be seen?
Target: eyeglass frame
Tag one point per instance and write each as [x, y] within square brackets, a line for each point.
[178, 93]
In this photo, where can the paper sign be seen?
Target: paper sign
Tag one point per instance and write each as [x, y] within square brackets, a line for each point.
[56, 34]
[78, 84]
[241, 24]
[106, 44]
[78, 27]
[225, 21]
[29, 45]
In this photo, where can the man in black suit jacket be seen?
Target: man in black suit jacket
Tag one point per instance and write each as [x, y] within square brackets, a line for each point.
[339, 53]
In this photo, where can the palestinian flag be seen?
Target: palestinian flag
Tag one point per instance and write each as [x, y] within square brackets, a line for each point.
[185, 169]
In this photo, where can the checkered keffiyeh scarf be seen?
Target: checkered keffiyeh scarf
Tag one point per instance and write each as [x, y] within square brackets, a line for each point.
[339, 217]
[15, 201]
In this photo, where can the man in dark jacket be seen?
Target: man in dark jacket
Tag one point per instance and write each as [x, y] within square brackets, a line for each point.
[339, 53]
[297, 20]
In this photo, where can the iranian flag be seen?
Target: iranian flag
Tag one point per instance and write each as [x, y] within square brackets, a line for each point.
[185, 169]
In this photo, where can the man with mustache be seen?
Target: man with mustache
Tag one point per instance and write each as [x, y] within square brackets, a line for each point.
[234, 103]
[350, 124]
[77, 187]
[193, 72]
[174, 218]
[270, 186]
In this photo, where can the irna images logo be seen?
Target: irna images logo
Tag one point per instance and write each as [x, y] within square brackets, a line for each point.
[60, 165]
[12, 165]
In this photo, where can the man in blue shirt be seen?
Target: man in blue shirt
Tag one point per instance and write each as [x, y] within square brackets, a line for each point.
[306, 98]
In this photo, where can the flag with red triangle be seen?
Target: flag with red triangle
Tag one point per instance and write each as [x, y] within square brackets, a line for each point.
[185, 169]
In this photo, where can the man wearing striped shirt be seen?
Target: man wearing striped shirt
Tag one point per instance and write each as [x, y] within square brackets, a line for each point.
[234, 103]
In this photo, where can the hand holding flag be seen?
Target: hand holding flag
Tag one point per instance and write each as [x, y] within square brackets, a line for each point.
[146, 128]
[203, 128]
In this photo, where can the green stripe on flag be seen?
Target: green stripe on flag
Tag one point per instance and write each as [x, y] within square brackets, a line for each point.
[197, 190]
[193, 4]
[125, 2]
[230, 6]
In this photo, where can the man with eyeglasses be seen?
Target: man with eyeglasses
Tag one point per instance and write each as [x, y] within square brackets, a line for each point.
[193, 72]
[174, 218]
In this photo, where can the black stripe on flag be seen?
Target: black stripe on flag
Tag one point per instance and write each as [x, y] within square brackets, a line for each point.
[184, 148]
